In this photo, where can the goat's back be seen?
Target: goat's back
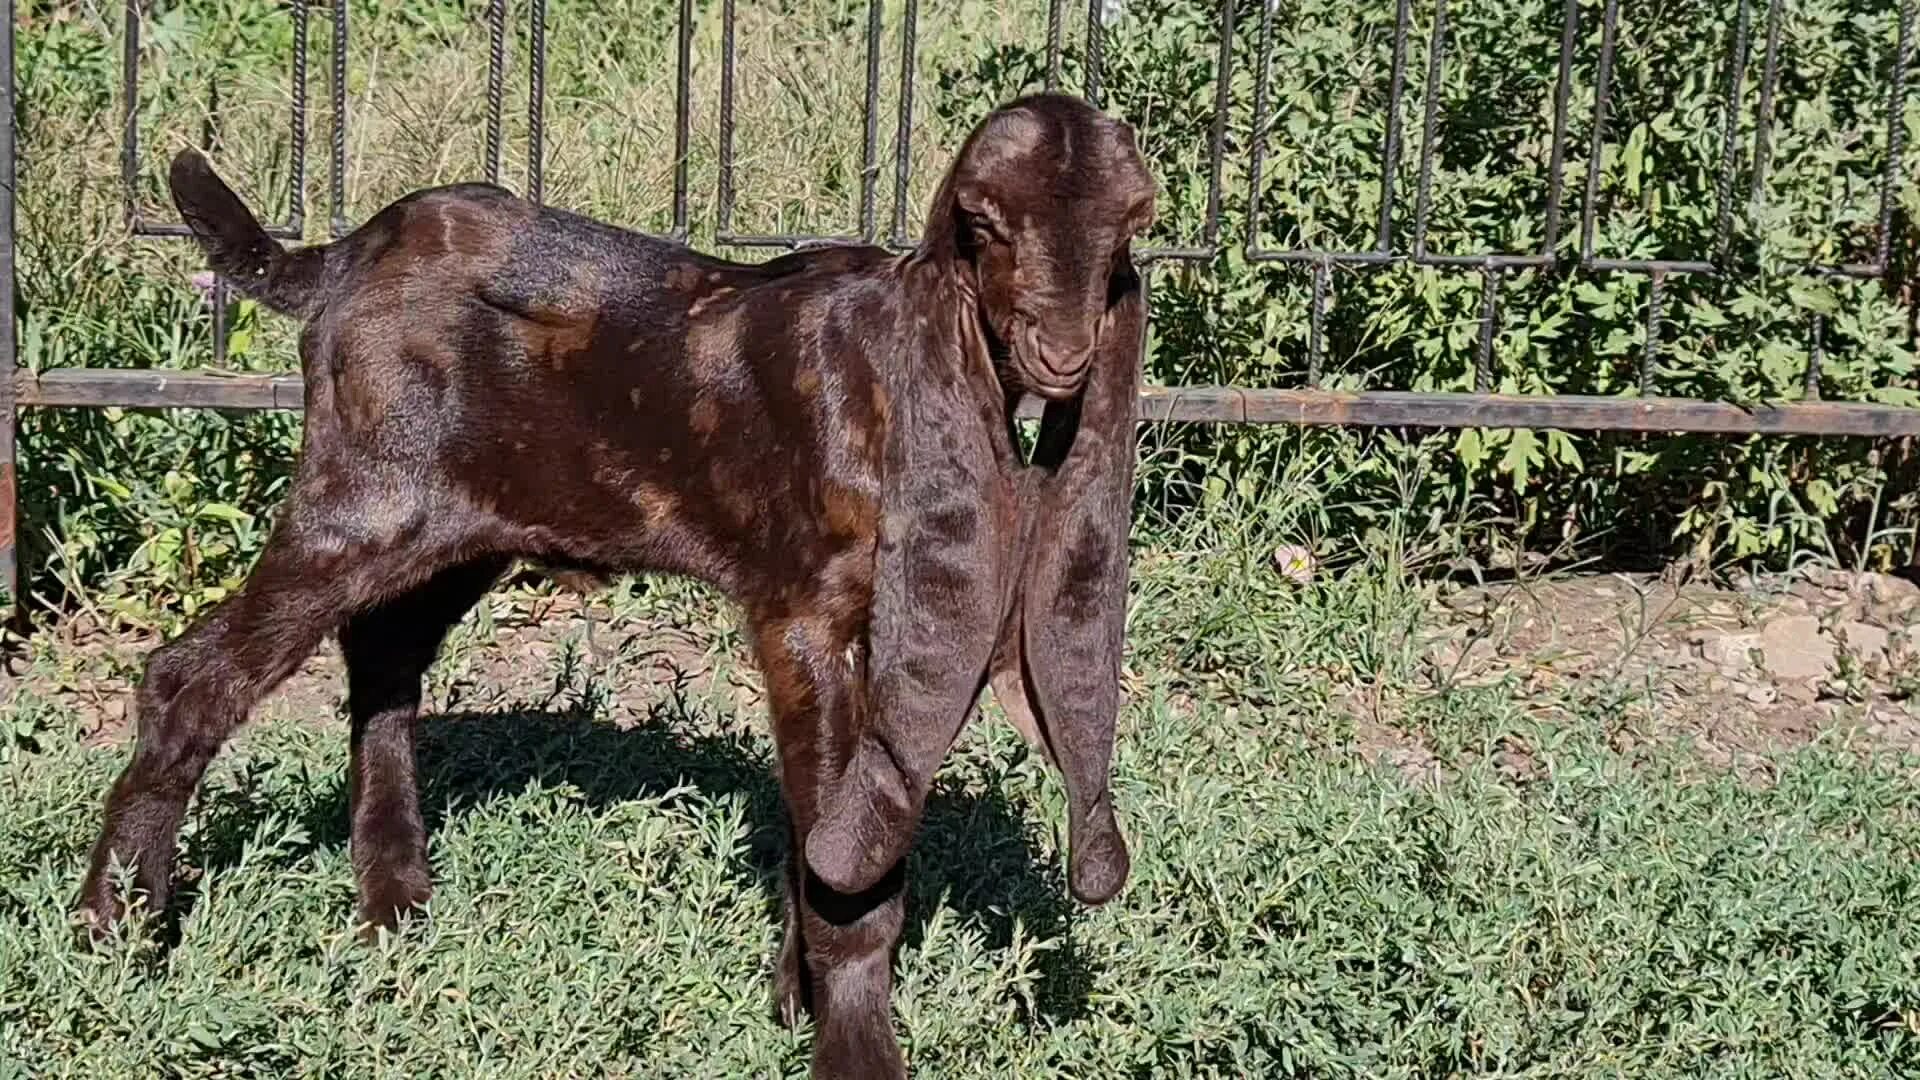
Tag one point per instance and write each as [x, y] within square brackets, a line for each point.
[598, 397]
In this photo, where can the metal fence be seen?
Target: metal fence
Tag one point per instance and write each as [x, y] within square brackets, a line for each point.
[82, 387]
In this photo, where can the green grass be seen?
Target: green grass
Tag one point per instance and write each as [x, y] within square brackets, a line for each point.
[607, 898]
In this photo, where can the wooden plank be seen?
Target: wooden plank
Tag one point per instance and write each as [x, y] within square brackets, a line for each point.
[151, 389]
[1195, 404]
[147, 389]
[1578, 413]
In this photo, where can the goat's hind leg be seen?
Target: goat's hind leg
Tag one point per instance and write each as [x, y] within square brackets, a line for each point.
[198, 689]
[388, 648]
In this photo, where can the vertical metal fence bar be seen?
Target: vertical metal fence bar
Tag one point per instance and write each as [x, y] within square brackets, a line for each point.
[1396, 88]
[682, 121]
[221, 295]
[870, 147]
[1096, 48]
[1557, 157]
[1317, 322]
[1489, 315]
[337, 88]
[496, 86]
[1730, 135]
[1602, 86]
[130, 119]
[1257, 127]
[903, 130]
[1055, 16]
[1222, 101]
[1436, 54]
[1896, 134]
[12, 603]
[1650, 349]
[1816, 357]
[297, 186]
[536, 98]
[723, 212]
[1763, 123]
[210, 124]
[1146, 299]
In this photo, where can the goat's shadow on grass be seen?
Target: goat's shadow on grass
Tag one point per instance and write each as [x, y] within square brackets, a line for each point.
[973, 850]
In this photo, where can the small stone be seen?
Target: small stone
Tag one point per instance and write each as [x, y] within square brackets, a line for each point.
[1762, 695]
[1793, 649]
[1888, 589]
[1729, 652]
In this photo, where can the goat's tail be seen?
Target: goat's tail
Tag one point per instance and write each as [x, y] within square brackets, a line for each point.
[237, 247]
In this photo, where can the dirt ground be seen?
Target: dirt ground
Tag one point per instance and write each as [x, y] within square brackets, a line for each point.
[517, 659]
[1740, 669]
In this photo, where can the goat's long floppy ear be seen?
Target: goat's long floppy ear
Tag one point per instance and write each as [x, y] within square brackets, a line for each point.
[937, 601]
[1069, 625]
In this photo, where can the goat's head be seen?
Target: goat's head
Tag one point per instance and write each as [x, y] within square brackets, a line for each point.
[1039, 209]
[1032, 230]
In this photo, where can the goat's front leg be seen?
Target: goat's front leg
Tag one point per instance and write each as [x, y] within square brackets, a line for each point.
[388, 649]
[841, 962]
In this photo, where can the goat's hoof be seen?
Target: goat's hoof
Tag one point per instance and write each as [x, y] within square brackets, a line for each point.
[99, 911]
[92, 923]
[876, 1056]
[386, 903]
[1097, 860]
[789, 1005]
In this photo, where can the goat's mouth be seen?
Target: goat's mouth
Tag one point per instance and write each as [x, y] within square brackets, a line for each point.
[1053, 373]
[1022, 360]
[1050, 386]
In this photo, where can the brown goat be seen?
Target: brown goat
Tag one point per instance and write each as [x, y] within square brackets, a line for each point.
[826, 437]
